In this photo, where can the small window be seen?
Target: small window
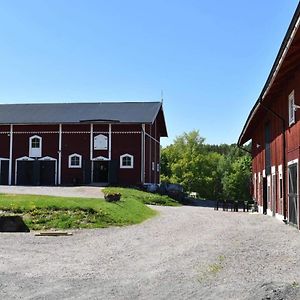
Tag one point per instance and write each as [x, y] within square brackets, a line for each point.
[157, 167]
[35, 146]
[75, 161]
[153, 166]
[126, 161]
[291, 108]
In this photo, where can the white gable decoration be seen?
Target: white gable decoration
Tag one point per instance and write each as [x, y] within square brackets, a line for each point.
[100, 142]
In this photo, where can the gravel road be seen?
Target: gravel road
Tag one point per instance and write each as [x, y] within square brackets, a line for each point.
[184, 253]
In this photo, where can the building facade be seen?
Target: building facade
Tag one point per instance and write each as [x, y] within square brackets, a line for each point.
[273, 126]
[81, 143]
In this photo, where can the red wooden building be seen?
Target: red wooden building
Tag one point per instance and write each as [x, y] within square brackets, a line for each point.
[81, 143]
[273, 126]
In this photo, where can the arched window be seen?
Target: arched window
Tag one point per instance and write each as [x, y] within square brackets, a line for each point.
[126, 161]
[35, 146]
[75, 160]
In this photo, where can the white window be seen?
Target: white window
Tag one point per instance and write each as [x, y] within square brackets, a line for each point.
[153, 166]
[35, 146]
[126, 161]
[291, 108]
[100, 142]
[75, 161]
[157, 167]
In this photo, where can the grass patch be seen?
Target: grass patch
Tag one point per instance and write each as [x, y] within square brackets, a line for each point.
[146, 198]
[46, 212]
[212, 270]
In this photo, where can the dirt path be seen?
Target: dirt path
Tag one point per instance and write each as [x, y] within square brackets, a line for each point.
[70, 191]
[185, 253]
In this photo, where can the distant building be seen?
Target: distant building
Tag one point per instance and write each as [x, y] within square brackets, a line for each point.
[273, 126]
[81, 143]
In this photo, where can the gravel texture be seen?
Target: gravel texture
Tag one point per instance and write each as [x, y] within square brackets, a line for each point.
[184, 253]
[69, 191]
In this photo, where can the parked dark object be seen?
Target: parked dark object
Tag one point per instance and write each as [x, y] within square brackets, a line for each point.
[112, 197]
[13, 224]
[233, 205]
[151, 187]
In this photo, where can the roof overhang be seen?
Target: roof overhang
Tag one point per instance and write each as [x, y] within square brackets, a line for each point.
[277, 67]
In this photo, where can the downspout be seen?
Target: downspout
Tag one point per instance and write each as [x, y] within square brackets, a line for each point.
[284, 157]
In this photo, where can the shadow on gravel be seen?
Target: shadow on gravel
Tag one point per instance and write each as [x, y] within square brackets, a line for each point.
[276, 291]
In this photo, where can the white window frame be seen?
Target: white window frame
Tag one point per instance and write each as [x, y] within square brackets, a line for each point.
[125, 166]
[70, 161]
[157, 167]
[100, 142]
[291, 101]
[35, 152]
[153, 166]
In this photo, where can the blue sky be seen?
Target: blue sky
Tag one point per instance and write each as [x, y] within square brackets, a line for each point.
[210, 58]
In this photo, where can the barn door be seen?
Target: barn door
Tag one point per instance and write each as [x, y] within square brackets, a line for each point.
[293, 194]
[4, 172]
[265, 196]
[113, 172]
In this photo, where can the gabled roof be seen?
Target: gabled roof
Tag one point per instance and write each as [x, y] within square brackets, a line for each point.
[123, 112]
[276, 68]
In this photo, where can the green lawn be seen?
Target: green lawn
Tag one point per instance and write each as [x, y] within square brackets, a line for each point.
[147, 198]
[46, 212]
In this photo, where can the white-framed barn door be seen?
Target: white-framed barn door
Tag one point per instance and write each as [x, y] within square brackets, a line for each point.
[293, 205]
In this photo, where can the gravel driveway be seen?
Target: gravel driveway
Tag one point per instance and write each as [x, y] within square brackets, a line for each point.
[184, 253]
[63, 191]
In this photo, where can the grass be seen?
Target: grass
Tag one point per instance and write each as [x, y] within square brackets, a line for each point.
[146, 198]
[46, 212]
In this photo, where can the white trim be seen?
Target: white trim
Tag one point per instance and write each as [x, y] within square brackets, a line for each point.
[109, 141]
[10, 155]
[291, 107]
[92, 149]
[121, 161]
[35, 152]
[59, 153]
[153, 166]
[143, 154]
[158, 167]
[264, 173]
[102, 138]
[292, 162]
[70, 161]
[273, 170]
[295, 161]
[284, 53]
[151, 137]
[100, 158]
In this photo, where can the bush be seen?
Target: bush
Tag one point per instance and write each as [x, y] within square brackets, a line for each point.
[112, 197]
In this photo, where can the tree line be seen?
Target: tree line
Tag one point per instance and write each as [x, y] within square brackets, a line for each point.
[216, 172]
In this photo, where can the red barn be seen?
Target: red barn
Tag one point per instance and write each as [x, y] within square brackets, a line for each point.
[273, 126]
[81, 143]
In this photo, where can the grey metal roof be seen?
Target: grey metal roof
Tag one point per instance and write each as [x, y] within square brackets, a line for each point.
[124, 112]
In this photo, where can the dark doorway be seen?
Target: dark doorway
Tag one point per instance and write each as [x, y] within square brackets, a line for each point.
[265, 195]
[293, 194]
[86, 167]
[100, 171]
[47, 172]
[36, 172]
[4, 172]
[113, 172]
[25, 173]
